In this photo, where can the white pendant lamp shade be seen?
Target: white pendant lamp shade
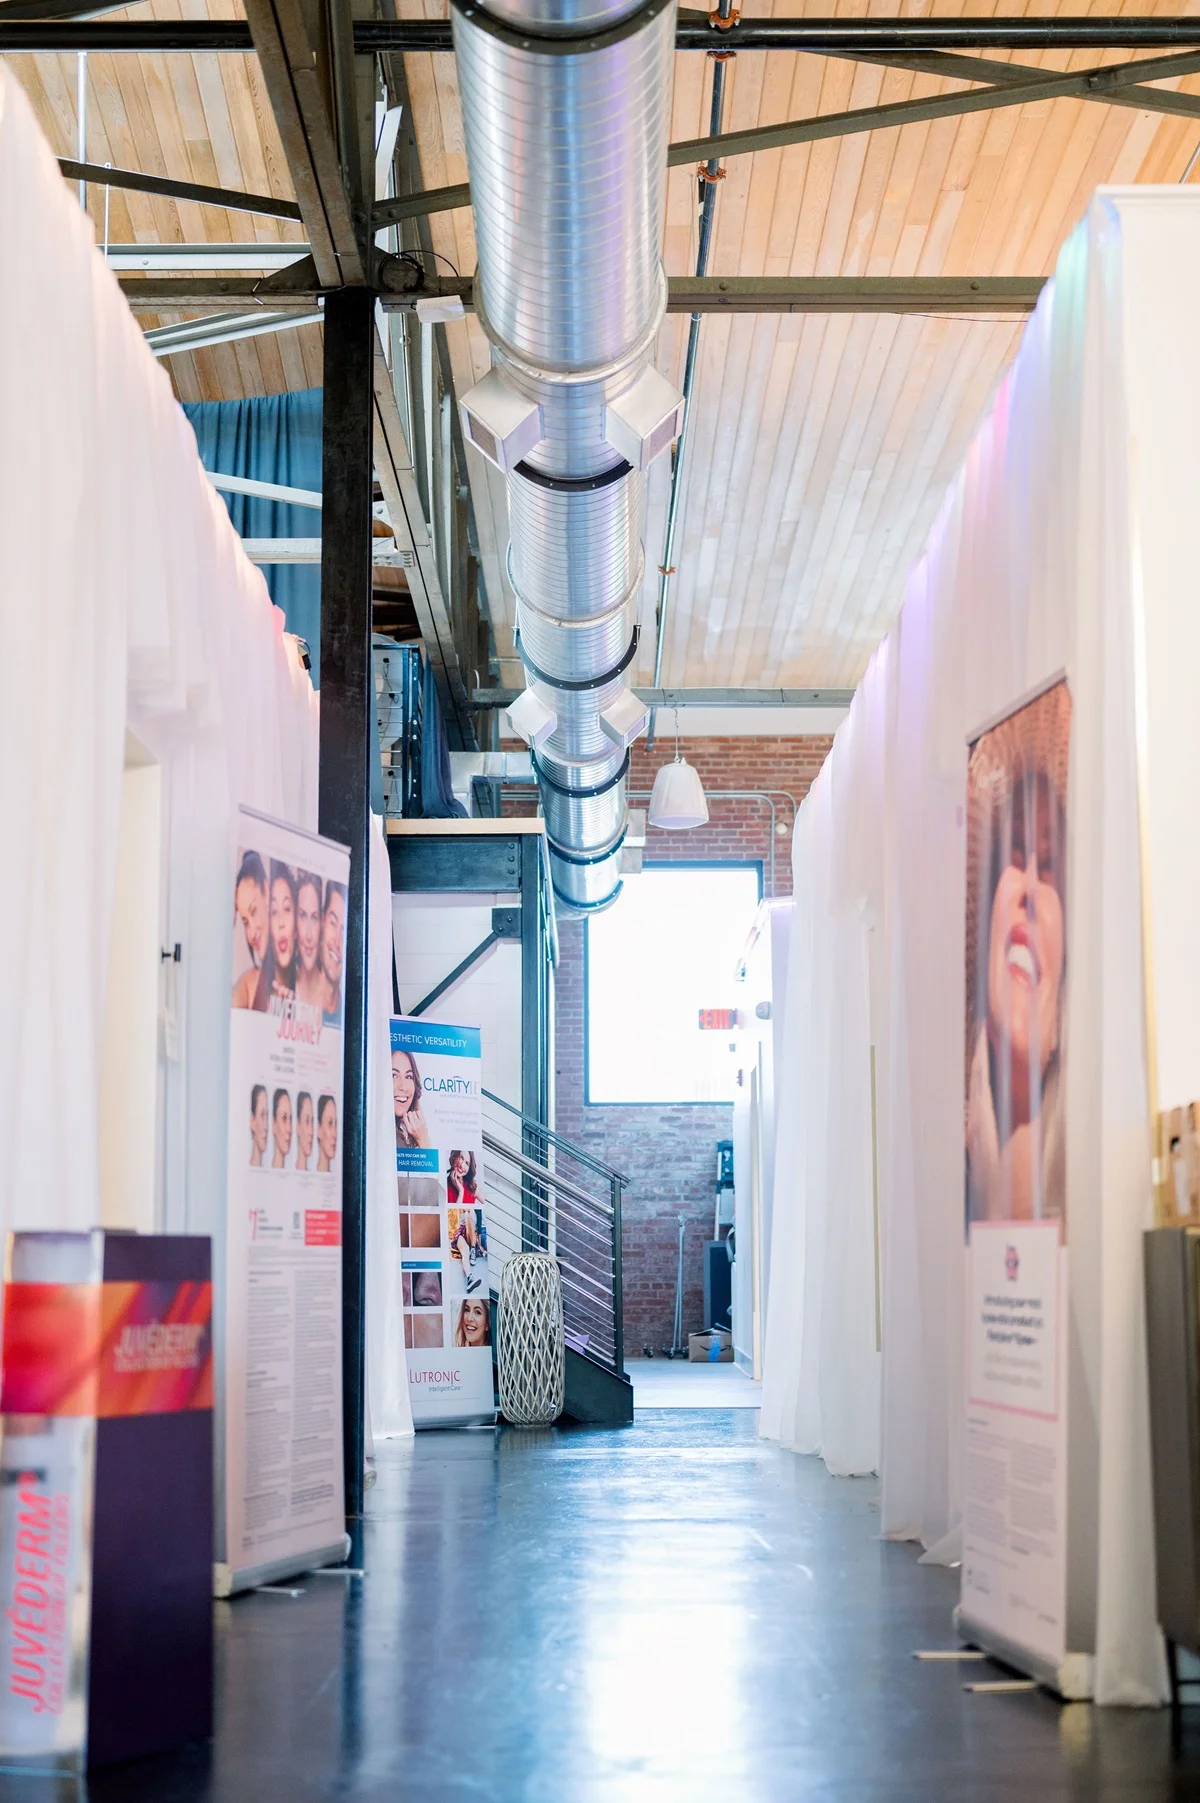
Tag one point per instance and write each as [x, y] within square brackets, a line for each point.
[677, 799]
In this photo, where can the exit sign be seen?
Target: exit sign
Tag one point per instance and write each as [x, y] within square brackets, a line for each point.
[717, 1020]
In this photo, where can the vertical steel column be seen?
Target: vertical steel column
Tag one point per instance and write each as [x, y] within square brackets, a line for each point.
[533, 1087]
[345, 780]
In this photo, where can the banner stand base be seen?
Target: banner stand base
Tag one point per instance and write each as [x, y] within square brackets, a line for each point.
[228, 1582]
[1072, 1677]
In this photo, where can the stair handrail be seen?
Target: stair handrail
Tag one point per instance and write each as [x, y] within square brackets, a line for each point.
[557, 1139]
[609, 1214]
[543, 1174]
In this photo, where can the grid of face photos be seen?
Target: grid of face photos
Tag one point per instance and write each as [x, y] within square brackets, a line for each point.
[289, 939]
[292, 1131]
[443, 1242]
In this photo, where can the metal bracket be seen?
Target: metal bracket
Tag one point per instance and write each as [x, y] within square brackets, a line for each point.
[506, 924]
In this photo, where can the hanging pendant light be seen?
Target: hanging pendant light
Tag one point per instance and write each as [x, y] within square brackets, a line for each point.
[677, 798]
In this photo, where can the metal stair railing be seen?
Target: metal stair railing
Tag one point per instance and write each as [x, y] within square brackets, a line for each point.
[543, 1193]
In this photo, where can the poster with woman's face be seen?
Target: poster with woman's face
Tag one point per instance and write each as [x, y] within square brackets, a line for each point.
[1016, 946]
[289, 939]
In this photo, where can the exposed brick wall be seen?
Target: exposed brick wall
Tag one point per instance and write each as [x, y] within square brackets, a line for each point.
[669, 1152]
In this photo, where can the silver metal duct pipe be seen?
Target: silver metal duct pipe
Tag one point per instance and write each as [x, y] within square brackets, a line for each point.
[566, 106]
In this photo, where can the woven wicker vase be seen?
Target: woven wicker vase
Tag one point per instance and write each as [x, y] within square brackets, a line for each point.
[530, 1349]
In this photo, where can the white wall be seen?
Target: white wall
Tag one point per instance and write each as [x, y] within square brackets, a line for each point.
[433, 933]
[129, 1079]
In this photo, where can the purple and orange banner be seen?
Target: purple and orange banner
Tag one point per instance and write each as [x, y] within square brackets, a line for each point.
[106, 1349]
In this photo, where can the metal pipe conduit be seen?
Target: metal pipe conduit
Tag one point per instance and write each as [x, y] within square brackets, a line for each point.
[566, 112]
[708, 201]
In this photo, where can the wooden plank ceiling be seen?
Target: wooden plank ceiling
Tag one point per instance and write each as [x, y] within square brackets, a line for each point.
[820, 447]
[194, 118]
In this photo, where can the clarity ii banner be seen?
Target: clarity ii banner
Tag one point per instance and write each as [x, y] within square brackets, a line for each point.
[282, 1336]
[436, 1092]
[1014, 1563]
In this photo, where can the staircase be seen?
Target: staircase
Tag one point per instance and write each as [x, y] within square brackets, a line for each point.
[546, 1195]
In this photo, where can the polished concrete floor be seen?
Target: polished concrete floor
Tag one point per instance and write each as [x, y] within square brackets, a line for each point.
[676, 1613]
[680, 1384]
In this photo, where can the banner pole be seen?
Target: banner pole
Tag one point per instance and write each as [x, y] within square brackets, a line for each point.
[345, 781]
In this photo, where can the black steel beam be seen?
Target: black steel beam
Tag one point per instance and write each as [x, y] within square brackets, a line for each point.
[694, 31]
[295, 70]
[983, 68]
[1119, 84]
[149, 36]
[1046, 32]
[344, 794]
[233, 198]
[476, 863]
[1091, 84]
[1015, 295]
[200, 293]
[420, 206]
[685, 698]
[820, 37]
[460, 970]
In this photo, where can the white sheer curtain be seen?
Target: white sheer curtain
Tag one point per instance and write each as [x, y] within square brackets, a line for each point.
[1034, 568]
[125, 602]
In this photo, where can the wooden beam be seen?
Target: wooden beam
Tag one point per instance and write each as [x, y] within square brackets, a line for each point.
[294, 68]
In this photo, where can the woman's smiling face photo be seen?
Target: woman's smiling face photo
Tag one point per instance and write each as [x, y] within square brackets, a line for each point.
[404, 1088]
[308, 925]
[283, 922]
[1026, 938]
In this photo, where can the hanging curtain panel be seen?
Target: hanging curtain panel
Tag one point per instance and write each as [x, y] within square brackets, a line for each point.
[272, 438]
[1064, 553]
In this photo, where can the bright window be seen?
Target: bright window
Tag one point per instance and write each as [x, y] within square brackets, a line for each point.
[665, 951]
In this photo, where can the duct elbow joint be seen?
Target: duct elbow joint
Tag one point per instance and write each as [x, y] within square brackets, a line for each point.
[624, 719]
[531, 719]
[501, 423]
[644, 420]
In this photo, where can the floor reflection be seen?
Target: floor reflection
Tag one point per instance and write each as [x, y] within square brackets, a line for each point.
[676, 1612]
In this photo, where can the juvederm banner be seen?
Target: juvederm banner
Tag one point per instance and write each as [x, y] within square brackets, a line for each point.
[436, 1093]
[282, 1393]
[105, 1497]
[1014, 1564]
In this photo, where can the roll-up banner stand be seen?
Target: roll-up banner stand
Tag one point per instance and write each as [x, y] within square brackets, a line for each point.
[446, 1300]
[280, 1498]
[1015, 1488]
[106, 1499]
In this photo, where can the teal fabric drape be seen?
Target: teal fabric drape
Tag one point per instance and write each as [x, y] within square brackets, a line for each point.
[275, 438]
